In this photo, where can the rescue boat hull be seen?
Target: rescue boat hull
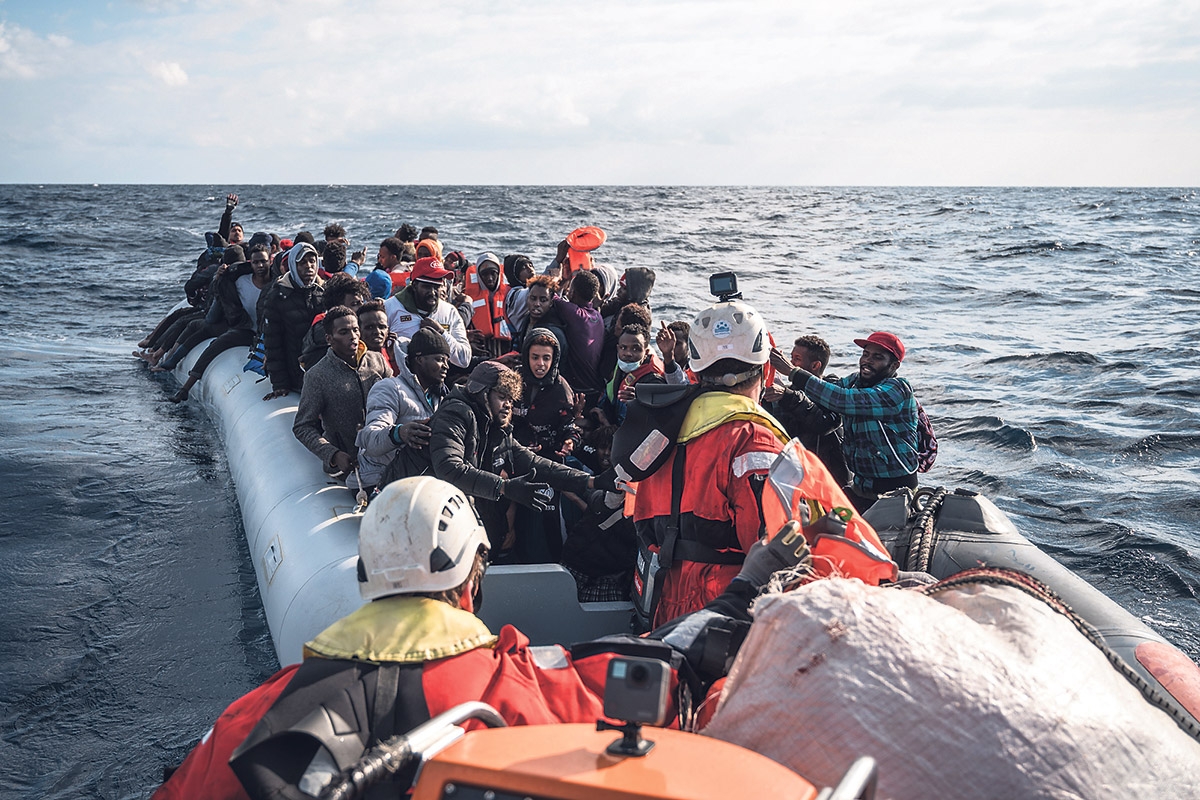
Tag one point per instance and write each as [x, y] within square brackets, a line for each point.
[302, 528]
[969, 531]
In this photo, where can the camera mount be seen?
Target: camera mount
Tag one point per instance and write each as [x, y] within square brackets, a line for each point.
[631, 742]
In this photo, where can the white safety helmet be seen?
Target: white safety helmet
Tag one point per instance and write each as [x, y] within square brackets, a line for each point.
[728, 330]
[419, 535]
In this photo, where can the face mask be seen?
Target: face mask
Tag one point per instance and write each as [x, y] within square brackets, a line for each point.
[628, 366]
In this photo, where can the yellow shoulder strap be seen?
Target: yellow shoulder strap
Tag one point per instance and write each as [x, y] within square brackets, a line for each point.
[713, 409]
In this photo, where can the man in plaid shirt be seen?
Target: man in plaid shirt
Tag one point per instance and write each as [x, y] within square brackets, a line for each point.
[879, 416]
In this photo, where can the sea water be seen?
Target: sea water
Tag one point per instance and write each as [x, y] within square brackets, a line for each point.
[1052, 338]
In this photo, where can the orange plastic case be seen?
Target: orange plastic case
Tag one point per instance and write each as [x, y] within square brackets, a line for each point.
[569, 762]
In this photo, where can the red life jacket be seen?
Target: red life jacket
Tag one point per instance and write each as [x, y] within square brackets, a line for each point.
[731, 442]
[205, 772]
[581, 242]
[488, 315]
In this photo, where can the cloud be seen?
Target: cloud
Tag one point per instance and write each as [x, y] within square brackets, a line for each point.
[616, 90]
[26, 56]
[170, 73]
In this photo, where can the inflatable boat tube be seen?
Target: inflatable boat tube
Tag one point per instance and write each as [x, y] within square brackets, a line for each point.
[302, 528]
[945, 532]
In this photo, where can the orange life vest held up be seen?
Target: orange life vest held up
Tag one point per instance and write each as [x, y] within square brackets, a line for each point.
[580, 243]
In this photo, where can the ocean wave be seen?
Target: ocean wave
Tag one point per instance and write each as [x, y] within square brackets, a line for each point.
[1053, 359]
[1154, 447]
[988, 430]
[1039, 249]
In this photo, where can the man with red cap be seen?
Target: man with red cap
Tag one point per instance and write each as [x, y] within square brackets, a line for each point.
[879, 414]
[421, 305]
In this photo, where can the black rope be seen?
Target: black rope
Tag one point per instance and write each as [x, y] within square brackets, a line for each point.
[1031, 586]
[920, 532]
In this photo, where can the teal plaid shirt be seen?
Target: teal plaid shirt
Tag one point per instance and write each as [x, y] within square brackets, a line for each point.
[879, 423]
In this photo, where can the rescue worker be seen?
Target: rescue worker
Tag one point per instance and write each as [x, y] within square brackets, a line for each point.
[416, 649]
[694, 533]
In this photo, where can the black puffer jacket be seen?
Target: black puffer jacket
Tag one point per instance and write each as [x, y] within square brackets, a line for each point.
[287, 315]
[545, 414]
[469, 450]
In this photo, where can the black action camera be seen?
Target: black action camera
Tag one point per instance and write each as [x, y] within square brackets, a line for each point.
[724, 286]
[636, 690]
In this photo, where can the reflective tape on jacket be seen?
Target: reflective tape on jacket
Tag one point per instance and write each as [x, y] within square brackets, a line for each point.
[796, 482]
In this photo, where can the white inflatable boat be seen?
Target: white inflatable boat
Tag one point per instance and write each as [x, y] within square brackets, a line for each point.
[302, 528]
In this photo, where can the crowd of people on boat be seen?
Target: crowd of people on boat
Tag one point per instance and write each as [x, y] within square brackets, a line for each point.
[485, 410]
[512, 382]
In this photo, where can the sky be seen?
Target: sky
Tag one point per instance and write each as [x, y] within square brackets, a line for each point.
[801, 92]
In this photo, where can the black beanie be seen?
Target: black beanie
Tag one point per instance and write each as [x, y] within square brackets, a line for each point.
[426, 342]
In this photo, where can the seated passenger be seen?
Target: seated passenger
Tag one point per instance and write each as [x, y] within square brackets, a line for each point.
[634, 287]
[672, 341]
[289, 306]
[518, 271]
[817, 429]
[335, 232]
[374, 332]
[485, 288]
[153, 347]
[382, 280]
[399, 408]
[420, 305]
[416, 650]
[237, 294]
[183, 336]
[600, 549]
[471, 445]
[635, 362]
[407, 233]
[540, 312]
[630, 314]
[333, 402]
[585, 335]
[428, 245]
[340, 290]
[333, 260]
[544, 414]
[543, 421]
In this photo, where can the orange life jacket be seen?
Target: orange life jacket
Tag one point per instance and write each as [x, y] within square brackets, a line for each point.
[488, 315]
[580, 244]
[399, 279]
[799, 487]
